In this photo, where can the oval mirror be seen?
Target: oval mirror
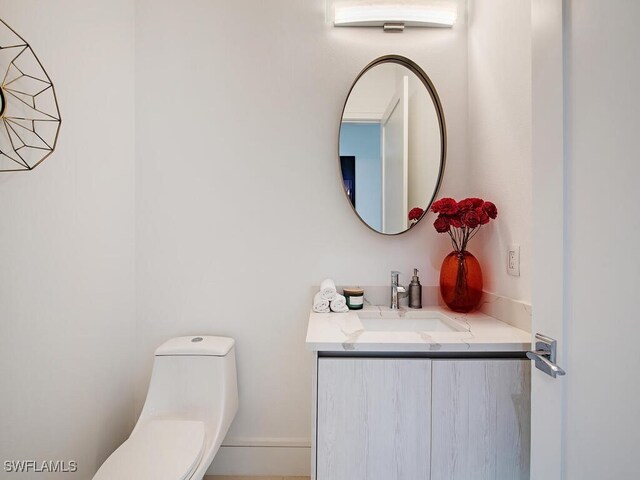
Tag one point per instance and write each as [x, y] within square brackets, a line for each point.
[392, 145]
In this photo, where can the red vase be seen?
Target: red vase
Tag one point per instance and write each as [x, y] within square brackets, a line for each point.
[461, 281]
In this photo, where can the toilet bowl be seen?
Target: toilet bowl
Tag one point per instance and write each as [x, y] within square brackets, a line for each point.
[191, 402]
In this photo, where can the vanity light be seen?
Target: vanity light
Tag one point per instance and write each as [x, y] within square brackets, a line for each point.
[394, 16]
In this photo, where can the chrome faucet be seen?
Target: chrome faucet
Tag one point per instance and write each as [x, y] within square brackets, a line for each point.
[396, 288]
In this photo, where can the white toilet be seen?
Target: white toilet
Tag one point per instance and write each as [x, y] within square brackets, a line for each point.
[191, 402]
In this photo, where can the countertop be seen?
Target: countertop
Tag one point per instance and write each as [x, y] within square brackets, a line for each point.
[477, 332]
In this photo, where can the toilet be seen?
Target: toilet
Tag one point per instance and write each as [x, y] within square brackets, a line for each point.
[191, 402]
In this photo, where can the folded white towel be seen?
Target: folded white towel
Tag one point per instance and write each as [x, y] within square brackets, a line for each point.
[339, 304]
[320, 305]
[328, 289]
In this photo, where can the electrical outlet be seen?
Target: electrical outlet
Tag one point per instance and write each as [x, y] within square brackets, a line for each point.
[513, 260]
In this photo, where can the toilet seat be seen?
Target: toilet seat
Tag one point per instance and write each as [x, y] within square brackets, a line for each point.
[157, 450]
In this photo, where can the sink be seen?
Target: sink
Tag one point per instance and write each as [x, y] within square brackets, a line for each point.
[408, 321]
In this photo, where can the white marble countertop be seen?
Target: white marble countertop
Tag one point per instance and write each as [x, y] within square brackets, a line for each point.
[471, 332]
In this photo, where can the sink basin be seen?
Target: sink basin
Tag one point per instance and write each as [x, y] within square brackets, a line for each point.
[401, 321]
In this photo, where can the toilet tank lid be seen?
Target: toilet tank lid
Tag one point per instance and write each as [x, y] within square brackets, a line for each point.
[204, 345]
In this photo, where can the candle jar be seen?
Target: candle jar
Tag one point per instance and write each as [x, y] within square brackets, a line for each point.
[355, 297]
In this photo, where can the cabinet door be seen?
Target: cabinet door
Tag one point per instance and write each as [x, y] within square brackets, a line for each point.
[373, 419]
[481, 420]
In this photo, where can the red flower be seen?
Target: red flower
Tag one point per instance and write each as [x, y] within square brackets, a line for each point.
[490, 209]
[484, 218]
[448, 206]
[470, 204]
[455, 220]
[415, 213]
[462, 219]
[471, 219]
[442, 224]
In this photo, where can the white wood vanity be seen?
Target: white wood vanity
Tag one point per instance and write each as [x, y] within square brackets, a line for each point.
[449, 401]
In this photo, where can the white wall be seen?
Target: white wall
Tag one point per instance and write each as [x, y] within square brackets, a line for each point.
[500, 137]
[602, 74]
[67, 242]
[239, 199]
[249, 101]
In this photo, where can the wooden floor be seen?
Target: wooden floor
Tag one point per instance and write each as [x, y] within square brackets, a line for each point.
[224, 477]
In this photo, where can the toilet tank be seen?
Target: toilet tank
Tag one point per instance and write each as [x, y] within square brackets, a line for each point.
[194, 378]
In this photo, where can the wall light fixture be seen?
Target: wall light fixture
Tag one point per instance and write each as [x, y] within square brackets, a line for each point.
[395, 16]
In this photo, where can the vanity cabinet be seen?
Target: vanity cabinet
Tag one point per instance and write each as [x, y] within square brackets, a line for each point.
[422, 418]
[373, 419]
[480, 419]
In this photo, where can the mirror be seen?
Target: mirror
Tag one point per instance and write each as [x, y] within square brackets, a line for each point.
[392, 144]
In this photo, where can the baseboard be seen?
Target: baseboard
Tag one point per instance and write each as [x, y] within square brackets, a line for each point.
[279, 457]
[293, 442]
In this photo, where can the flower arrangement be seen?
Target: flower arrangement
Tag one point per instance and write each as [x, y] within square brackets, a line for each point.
[463, 219]
[414, 215]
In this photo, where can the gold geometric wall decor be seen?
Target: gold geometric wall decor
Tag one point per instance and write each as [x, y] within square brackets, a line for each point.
[28, 105]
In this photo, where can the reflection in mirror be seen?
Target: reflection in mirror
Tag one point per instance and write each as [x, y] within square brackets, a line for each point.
[392, 144]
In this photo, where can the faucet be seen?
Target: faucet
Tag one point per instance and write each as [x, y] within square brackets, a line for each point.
[396, 288]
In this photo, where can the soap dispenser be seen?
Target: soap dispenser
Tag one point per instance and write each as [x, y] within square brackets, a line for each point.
[415, 291]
